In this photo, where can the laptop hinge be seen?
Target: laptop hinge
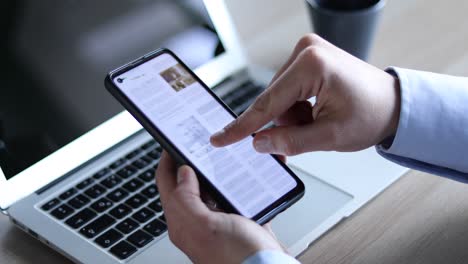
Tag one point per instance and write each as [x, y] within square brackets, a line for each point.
[4, 212]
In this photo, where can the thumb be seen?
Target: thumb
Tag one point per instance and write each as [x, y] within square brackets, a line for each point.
[188, 192]
[187, 180]
[293, 140]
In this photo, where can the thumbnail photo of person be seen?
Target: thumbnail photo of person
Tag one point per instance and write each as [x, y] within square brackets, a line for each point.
[177, 77]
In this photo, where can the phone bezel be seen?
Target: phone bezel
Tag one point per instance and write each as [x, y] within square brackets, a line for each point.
[263, 216]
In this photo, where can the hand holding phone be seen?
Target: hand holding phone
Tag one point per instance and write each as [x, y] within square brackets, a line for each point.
[206, 236]
[181, 112]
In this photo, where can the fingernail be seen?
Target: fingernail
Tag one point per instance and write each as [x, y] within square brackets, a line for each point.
[263, 144]
[180, 174]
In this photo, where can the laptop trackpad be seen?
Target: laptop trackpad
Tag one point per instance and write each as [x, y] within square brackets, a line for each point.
[321, 201]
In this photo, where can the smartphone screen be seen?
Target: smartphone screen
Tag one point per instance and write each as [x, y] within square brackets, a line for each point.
[187, 114]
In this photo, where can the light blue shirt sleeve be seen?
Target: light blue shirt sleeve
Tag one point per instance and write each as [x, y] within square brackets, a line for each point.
[432, 134]
[270, 257]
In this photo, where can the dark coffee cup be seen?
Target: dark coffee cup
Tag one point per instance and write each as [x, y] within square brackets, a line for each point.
[348, 24]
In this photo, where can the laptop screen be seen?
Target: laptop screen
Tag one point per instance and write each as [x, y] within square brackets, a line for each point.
[56, 54]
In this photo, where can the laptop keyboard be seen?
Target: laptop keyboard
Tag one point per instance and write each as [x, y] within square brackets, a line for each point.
[118, 208]
[243, 96]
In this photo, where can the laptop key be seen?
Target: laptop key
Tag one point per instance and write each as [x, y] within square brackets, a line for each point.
[109, 238]
[133, 185]
[147, 176]
[150, 191]
[140, 163]
[127, 171]
[117, 163]
[117, 195]
[127, 226]
[111, 181]
[143, 215]
[62, 211]
[101, 173]
[155, 228]
[162, 218]
[148, 144]
[140, 238]
[97, 226]
[155, 154]
[84, 183]
[50, 204]
[133, 154]
[95, 191]
[101, 205]
[136, 201]
[156, 206]
[147, 159]
[123, 250]
[81, 218]
[78, 201]
[67, 194]
[120, 211]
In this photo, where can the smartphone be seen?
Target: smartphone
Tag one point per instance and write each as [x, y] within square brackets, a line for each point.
[181, 113]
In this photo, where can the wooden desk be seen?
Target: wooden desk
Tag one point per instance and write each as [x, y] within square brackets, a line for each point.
[419, 219]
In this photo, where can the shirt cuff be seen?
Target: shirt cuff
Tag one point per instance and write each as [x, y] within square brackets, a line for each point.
[270, 257]
[432, 133]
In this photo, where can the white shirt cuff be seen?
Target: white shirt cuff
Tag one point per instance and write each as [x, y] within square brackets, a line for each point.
[270, 257]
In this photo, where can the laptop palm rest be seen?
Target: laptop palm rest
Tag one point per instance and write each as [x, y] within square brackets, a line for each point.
[320, 208]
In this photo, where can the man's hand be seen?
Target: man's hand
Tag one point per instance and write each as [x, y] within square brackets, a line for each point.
[205, 235]
[357, 105]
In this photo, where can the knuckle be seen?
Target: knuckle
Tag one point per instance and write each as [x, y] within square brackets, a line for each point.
[262, 104]
[312, 53]
[304, 42]
[308, 40]
[314, 58]
[315, 38]
[291, 144]
[182, 197]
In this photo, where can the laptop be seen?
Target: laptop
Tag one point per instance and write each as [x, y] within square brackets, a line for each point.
[84, 185]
